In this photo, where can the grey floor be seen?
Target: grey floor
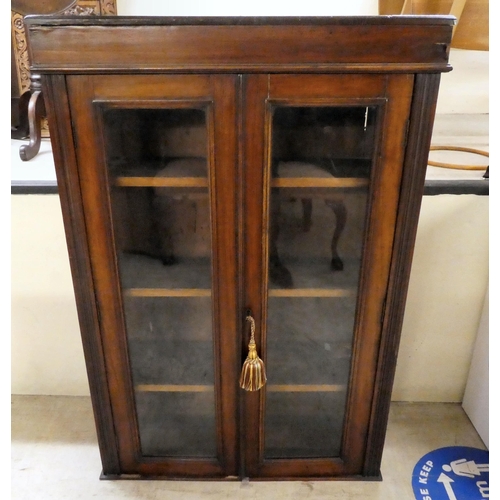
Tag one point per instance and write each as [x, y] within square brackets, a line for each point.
[55, 456]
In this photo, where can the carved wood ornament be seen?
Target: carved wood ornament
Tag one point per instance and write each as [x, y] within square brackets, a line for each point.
[27, 99]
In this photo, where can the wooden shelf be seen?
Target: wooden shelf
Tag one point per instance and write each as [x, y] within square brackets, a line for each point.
[192, 173]
[323, 173]
[173, 388]
[147, 277]
[200, 182]
[177, 182]
[274, 292]
[268, 388]
[306, 388]
[168, 292]
[306, 365]
[173, 173]
[314, 182]
[312, 292]
[200, 292]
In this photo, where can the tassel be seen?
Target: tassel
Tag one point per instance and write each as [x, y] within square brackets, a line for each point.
[253, 373]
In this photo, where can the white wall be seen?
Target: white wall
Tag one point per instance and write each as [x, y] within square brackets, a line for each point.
[476, 397]
[465, 89]
[448, 282]
[254, 8]
[47, 355]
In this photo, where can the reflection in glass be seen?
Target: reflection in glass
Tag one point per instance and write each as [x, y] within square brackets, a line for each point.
[157, 165]
[320, 169]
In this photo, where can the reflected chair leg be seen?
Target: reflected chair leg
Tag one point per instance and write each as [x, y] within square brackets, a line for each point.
[161, 239]
[36, 109]
[306, 214]
[278, 273]
[340, 212]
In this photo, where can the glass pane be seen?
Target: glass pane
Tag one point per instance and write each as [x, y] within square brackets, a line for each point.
[321, 163]
[157, 167]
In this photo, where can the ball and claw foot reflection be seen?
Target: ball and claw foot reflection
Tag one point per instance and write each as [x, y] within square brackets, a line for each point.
[336, 264]
[169, 260]
[279, 274]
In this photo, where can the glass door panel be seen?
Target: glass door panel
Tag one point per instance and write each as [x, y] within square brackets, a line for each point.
[158, 172]
[321, 161]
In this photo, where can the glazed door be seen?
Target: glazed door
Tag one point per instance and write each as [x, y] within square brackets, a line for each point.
[156, 157]
[205, 201]
[323, 160]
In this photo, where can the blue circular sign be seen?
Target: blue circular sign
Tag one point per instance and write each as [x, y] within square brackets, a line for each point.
[452, 473]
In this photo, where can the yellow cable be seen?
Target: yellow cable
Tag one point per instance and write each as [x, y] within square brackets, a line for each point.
[455, 165]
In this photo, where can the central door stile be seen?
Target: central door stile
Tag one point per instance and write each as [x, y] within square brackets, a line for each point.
[226, 207]
[255, 200]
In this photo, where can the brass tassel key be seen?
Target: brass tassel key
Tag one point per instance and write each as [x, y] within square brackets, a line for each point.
[253, 373]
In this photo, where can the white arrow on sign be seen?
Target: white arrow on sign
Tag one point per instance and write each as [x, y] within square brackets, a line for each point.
[443, 478]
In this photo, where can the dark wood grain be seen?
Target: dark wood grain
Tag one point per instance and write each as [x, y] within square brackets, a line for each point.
[58, 111]
[408, 20]
[227, 301]
[372, 45]
[255, 91]
[94, 194]
[412, 187]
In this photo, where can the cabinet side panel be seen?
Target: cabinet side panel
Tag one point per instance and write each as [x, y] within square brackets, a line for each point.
[58, 113]
[416, 155]
[100, 254]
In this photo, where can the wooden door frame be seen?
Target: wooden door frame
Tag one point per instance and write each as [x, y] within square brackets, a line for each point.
[392, 92]
[86, 94]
